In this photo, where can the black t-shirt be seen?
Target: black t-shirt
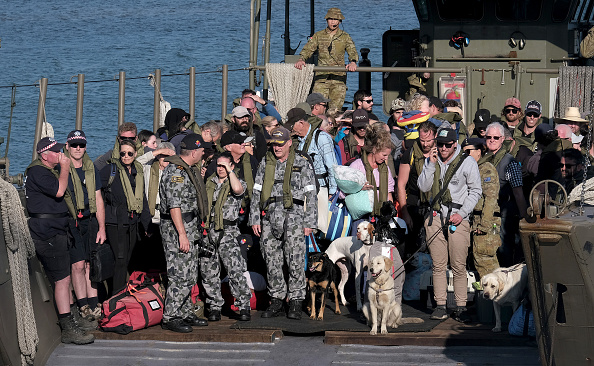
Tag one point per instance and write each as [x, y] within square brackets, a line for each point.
[41, 187]
[412, 189]
[81, 176]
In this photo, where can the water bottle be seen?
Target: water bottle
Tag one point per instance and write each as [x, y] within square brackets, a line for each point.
[494, 230]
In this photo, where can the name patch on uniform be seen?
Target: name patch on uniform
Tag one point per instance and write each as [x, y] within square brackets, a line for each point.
[180, 167]
[177, 179]
[297, 168]
[488, 179]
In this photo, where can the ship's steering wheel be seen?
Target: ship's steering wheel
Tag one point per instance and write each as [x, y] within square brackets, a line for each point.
[543, 202]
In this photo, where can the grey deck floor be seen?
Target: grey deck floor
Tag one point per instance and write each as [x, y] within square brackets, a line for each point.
[310, 351]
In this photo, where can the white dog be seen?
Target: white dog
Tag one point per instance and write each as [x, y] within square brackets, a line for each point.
[382, 301]
[505, 286]
[356, 251]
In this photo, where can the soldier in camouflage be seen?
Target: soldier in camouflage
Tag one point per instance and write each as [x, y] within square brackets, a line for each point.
[180, 229]
[283, 210]
[331, 44]
[486, 217]
[225, 193]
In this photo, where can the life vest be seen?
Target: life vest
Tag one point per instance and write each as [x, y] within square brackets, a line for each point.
[197, 182]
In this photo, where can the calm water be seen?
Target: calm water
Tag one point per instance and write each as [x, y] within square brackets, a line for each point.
[59, 39]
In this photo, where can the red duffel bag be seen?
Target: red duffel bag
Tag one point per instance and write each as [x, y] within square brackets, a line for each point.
[139, 305]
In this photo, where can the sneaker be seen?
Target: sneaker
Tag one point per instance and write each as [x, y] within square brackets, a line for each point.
[295, 309]
[461, 315]
[274, 309]
[439, 313]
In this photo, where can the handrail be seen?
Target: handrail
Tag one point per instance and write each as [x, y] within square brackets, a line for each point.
[380, 69]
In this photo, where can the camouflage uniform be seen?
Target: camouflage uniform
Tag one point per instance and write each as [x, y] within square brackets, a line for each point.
[331, 49]
[282, 229]
[177, 190]
[227, 251]
[486, 213]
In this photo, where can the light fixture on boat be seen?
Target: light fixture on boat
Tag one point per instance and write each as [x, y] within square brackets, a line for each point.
[517, 39]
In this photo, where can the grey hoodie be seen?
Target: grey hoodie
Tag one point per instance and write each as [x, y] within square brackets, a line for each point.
[465, 186]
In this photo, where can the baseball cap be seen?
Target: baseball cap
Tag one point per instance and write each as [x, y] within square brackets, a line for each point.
[193, 142]
[397, 104]
[49, 144]
[76, 137]
[305, 106]
[294, 115]
[514, 102]
[541, 130]
[234, 137]
[240, 111]
[482, 118]
[316, 98]
[473, 141]
[360, 118]
[279, 135]
[533, 106]
[446, 135]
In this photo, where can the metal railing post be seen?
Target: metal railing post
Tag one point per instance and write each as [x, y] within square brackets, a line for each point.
[466, 112]
[267, 48]
[40, 115]
[252, 72]
[80, 94]
[157, 101]
[192, 94]
[121, 97]
[224, 92]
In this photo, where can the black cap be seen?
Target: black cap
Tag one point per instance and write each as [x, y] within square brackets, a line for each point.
[446, 135]
[234, 137]
[482, 118]
[49, 144]
[474, 141]
[295, 115]
[360, 118]
[76, 136]
[193, 142]
[541, 131]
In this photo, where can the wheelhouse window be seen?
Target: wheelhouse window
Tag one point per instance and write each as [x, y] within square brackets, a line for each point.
[422, 11]
[518, 10]
[460, 9]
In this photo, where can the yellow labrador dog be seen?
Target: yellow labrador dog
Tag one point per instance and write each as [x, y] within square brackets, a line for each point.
[382, 302]
[505, 286]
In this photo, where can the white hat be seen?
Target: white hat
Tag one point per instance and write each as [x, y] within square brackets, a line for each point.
[571, 114]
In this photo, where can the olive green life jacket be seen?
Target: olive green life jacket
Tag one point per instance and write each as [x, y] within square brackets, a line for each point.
[383, 184]
[438, 185]
[268, 181]
[211, 186]
[89, 169]
[196, 180]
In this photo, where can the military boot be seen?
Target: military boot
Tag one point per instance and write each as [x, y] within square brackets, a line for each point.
[72, 333]
[81, 322]
[295, 309]
[274, 309]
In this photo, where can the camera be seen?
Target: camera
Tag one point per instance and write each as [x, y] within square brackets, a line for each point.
[205, 249]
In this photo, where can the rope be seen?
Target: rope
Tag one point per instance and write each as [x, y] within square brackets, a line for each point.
[164, 106]
[575, 86]
[289, 85]
[20, 247]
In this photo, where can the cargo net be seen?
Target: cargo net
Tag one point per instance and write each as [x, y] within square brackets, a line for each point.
[289, 85]
[20, 247]
[575, 87]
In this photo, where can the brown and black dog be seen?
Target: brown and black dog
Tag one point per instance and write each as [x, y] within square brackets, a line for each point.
[321, 275]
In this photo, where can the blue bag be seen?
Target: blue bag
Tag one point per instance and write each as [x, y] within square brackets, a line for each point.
[339, 219]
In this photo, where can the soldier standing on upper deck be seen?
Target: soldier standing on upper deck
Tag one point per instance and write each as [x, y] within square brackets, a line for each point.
[331, 44]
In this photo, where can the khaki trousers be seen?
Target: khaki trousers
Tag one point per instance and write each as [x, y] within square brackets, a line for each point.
[456, 249]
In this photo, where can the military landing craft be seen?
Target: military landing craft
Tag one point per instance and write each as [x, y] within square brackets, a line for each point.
[477, 52]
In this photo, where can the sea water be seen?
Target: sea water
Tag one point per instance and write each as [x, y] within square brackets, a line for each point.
[59, 39]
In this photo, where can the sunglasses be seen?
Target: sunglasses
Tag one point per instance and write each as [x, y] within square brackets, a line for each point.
[566, 165]
[124, 153]
[368, 100]
[511, 110]
[446, 144]
[532, 114]
[496, 138]
[75, 145]
[124, 138]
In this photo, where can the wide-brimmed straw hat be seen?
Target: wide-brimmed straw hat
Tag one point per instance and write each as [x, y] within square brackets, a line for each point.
[571, 114]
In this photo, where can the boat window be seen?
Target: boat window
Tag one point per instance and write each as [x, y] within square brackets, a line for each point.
[561, 10]
[460, 9]
[518, 10]
[422, 11]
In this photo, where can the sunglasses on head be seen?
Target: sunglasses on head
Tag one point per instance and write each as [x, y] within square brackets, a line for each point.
[124, 153]
[496, 138]
[511, 110]
[123, 138]
[75, 145]
[446, 144]
[532, 114]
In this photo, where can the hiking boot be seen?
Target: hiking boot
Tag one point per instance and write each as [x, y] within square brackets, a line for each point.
[82, 322]
[439, 313]
[214, 316]
[195, 321]
[274, 309]
[244, 315]
[71, 333]
[294, 310]
[461, 315]
[98, 312]
[87, 313]
[177, 325]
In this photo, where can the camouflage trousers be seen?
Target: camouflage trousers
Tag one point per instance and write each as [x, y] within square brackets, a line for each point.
[291, 249]
[228, 252]
[332, 87]
[484, 250]
[182, 273]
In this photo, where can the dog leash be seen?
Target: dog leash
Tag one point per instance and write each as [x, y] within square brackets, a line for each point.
[421, 247]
